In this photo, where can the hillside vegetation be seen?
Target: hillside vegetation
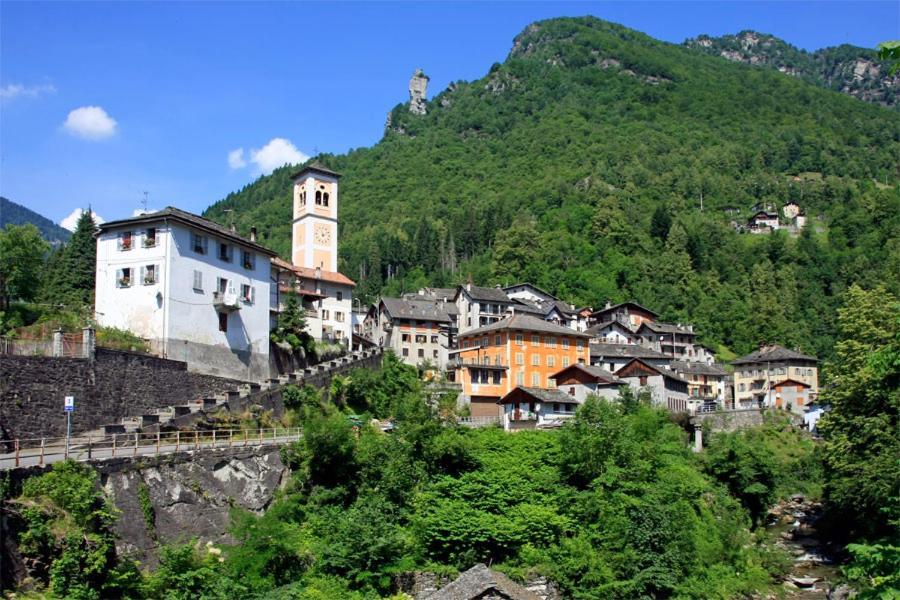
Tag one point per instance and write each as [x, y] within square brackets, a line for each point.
[579, 165]
[16, 214]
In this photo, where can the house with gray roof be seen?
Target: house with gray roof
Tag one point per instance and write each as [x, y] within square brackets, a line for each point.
[756, 374]
[535, 408]
[613, 357]
[479, 306]
[418, 331]
[706, 382]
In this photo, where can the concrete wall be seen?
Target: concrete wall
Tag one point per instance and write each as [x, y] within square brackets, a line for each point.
[115, 385]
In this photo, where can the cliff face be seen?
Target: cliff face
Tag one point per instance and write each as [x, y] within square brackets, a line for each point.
[848, 69]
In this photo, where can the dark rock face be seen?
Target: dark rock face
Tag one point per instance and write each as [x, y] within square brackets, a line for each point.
[190, 496]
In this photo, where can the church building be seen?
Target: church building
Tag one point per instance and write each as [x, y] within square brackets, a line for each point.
[327, 294]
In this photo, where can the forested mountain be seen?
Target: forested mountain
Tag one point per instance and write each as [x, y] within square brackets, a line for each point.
[580, 164]
[16, 214]
[849, 69]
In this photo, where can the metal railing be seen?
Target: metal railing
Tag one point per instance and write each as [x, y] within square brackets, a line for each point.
[42, 451]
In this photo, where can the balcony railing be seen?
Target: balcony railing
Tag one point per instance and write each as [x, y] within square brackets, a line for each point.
[226, 301]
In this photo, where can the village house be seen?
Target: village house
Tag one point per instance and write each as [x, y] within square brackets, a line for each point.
[706, 383]
[613, 357]
[629, 313]
[418, 331]
[756, 375]
[667, 390]
[579, 381]
[195, 290]
[614, 331]
[762, 221]
[518, 350]
[793, 396]
[673, 340]
[325, 296]
[314, 252]
[535, 408]
[480, 306]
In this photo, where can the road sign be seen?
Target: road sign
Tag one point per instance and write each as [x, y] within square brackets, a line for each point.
[70, 403]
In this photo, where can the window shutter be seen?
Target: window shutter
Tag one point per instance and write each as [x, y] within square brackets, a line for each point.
[198, 280]
[252, 294]
[143, 274]
[119, 275]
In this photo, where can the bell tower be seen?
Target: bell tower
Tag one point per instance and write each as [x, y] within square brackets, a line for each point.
[314, 229]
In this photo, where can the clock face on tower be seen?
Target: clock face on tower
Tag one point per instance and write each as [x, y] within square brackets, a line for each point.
[322, 234]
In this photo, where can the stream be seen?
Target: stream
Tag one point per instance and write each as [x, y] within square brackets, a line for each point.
[814, 574]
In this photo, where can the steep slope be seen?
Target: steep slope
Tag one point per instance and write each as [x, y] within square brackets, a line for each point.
[16, 214]
[848, 69]
[550, 167]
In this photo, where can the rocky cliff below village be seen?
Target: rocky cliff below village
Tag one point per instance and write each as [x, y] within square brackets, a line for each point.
[848, 69]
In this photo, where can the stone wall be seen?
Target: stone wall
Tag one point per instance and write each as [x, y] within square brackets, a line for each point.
[114, 385]
[732, 420]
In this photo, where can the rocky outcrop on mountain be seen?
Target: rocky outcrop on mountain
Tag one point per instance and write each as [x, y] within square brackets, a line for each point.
[418, 86]
[848, 69]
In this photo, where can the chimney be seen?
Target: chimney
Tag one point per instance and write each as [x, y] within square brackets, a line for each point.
[469, 286]
[253, 234]
[608, 304]
[233, 228]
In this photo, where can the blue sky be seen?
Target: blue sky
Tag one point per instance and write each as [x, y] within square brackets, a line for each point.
[103, 101]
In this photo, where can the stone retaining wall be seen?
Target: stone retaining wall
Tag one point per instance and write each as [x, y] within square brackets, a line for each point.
[114, 385]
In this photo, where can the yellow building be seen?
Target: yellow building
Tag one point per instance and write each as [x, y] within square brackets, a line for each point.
[758, 375]
[520, 350]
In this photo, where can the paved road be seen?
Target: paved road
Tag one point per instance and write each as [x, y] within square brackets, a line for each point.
[57, 453]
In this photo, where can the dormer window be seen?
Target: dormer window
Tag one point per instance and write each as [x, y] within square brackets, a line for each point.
[125, 241]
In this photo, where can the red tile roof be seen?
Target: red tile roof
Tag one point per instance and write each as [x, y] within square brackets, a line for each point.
[307, 273]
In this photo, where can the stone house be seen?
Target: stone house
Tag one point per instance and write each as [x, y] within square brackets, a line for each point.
[630, 313]
[667, 389]
[535, 408]
[580, 381]
[613, 357]
[480, 306]
[706, 382]
[418, 331]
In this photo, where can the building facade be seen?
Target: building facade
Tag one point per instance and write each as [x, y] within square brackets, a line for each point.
[197, 291]
[666, 389]
[756, 374]
[325, 296]
[535, 408]
[418, 331]
[580, 381]
[519, 350]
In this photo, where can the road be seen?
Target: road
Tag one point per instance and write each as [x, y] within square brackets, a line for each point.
[57, 451]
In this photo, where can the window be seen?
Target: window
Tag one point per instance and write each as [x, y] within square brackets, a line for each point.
[198, 281]
[556, 407]
[565, 343]
[536, 340]
[318, 198]
[247, 293]
[420, 339]
[579, 343]
[572, 391]
[198, 243]
[125, 241]
[406, 352]
[248, 259]
[612, 367]
[325, 199]
[535, 380]
[223, 322]
[495, 377]
[497, 360]
[148, 274]
[434, 353]
[325, 315]
[434, 340]
[421, 353]
[520, 378]
[303, 198]
[520, 358]
[222, 285]
[123, 278]
[643, 380]
[520, 340]
[553, 342]
[340, 296]
[404, 337]
[496, 340]
[484, 342]
[742, 387]
[535, 360]
[551, 361]
[339, 316]
[565, 361]
[224, 252]
[150, 237]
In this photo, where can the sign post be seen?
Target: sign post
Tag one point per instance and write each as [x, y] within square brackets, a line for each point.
[69, 407]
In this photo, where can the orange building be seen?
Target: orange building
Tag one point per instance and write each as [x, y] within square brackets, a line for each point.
[520, 350]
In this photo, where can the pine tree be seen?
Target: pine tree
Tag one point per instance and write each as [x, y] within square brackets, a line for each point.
[71, 271]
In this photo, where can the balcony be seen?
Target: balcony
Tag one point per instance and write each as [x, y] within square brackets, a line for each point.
[523, 415]
[226, 301]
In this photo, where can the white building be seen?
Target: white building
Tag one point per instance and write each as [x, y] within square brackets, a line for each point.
[197, 291]
[666, 389]
[314, 253]
[580, 381]
[325, 296]
[535, 408]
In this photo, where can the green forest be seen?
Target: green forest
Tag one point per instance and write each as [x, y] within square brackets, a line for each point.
[612, 505]
[580, 164]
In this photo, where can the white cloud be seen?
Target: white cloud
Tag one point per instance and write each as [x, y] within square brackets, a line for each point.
[236, 159]
[14, 90]
[278, 152]
[91, 123]
[138, 212]
[71, 221]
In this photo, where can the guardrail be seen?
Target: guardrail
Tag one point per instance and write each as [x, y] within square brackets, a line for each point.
[42, 451]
